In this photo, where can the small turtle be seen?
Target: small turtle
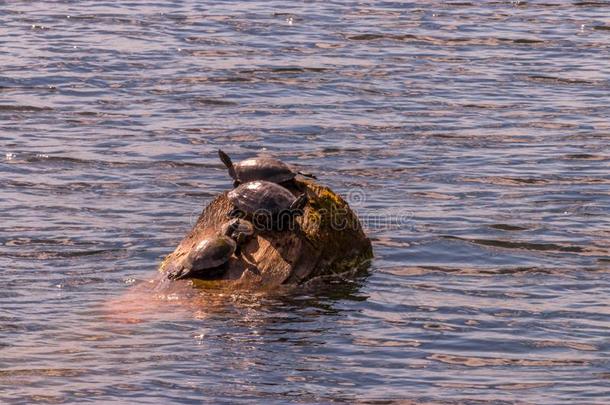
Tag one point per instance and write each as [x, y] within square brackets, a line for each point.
[266, 203]
[206, 258]
[262, 168]
[209, 255]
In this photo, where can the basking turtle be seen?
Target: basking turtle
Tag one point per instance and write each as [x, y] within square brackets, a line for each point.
[206, 259]
[266, 203]
[261, 168]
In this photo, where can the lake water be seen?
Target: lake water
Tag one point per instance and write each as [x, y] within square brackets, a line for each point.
[471, 137]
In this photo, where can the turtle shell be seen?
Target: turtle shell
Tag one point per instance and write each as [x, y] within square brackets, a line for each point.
[267, 169]
[209, 253]
[261, 196]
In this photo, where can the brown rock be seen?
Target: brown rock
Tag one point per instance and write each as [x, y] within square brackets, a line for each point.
[327, 240]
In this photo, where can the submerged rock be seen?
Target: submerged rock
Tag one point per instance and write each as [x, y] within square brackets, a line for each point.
[327, 240]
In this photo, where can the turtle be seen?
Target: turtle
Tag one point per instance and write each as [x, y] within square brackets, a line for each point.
[268, 204]
[208, 256]
[261, 168]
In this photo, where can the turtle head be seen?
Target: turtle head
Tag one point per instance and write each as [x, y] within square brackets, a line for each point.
[180, 270]
[205, 260]
[230, 227]
[229, 163]
[184, 268]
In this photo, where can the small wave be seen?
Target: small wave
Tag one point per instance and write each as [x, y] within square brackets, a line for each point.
[520, 181]
[41, 372]
[27, 157]
[561, 80]
[495, 361]
[50, 255]
[294, 69]
[522, 245]
[584, 156]
[507, 180]
[478, 271]
[213, 102]
[507, 227]
[561, 343]
[592, 4]
[52, 242]
[486, 41]
[24, 108]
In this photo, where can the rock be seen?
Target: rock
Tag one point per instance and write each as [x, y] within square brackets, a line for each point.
[327, 240]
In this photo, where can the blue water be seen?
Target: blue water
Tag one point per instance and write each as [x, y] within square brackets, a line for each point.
[471, 137]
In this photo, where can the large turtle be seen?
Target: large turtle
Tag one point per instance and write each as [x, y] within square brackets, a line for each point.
[261, 168]
[267, 204]
[206, 260]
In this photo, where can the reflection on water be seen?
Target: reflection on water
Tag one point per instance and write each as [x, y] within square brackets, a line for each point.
[472, 138]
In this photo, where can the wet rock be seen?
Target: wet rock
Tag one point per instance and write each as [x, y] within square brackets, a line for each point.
[326, 241]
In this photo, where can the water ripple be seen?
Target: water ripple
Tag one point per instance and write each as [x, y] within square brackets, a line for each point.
[471, 138]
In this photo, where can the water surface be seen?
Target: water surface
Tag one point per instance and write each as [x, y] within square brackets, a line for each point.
[471, 137]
